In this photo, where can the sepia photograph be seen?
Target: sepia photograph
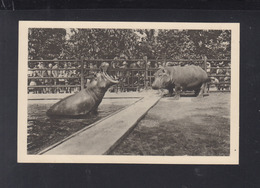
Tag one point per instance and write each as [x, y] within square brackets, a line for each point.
[128, 92]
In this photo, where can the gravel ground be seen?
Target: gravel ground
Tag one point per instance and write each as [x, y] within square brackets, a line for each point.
[190, 126]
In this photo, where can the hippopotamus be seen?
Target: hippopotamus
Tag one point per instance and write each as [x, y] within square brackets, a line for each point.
[87, 100]
[184, 78]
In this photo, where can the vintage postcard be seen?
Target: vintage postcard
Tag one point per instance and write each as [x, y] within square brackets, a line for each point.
[128, 92]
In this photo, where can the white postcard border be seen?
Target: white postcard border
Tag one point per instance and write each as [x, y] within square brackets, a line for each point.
[23, 157]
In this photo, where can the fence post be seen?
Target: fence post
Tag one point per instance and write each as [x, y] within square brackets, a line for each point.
[206, 89]
[82, 75]
[205, 63]
[145, 73]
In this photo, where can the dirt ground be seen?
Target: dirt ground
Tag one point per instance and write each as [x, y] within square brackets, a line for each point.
[190, 126]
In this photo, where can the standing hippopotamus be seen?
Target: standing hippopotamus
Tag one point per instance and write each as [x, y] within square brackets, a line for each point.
[87, 100]
[181, 78]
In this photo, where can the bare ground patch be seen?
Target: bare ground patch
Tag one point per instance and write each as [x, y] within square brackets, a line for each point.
[199, 127]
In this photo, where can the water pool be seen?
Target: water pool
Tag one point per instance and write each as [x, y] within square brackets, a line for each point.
[43, 131]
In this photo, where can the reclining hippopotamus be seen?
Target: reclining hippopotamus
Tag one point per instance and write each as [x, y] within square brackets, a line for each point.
[181, 78]
[87, 100]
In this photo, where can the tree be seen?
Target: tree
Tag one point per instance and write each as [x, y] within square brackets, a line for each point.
[214, 44]
[175, 44]
[147, 43]
[128, 43]
[190, 44]
[102, 43]
[46, 43]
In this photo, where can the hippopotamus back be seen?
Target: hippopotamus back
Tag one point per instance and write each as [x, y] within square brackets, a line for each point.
[78, 104]
[188, 77]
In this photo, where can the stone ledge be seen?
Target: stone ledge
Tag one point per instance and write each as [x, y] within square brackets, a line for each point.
[59, 96]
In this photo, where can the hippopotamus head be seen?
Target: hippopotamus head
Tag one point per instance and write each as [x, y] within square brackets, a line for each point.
[102, 79]
[162, 79]
[87, 100]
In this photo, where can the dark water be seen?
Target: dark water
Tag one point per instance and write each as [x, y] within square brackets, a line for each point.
[44, 131]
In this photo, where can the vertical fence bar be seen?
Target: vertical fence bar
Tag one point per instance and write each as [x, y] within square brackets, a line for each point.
[206, 90]
[82, 75]
[150, 78]
[164, 61]
[205, 63]
[145, 73]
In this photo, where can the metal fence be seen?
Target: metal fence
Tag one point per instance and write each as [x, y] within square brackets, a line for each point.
[70, 76]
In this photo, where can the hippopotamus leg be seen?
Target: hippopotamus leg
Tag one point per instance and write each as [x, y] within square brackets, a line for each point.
[177, 93]
[197, 91]
[202, 89]
[170, 91]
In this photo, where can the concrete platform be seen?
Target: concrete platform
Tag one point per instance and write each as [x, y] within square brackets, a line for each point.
[102, 137]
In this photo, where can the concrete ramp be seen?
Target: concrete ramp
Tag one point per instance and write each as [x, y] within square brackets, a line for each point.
[105, 135]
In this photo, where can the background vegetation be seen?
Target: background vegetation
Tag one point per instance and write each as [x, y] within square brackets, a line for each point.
[53, 43]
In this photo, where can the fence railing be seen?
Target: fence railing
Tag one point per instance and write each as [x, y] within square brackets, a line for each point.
[69, 76]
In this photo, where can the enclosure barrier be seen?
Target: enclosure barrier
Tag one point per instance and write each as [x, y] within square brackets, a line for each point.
[70, 76]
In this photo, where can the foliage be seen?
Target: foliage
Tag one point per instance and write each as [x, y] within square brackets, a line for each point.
[46, 43]
[100, 43]
[128, 43]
